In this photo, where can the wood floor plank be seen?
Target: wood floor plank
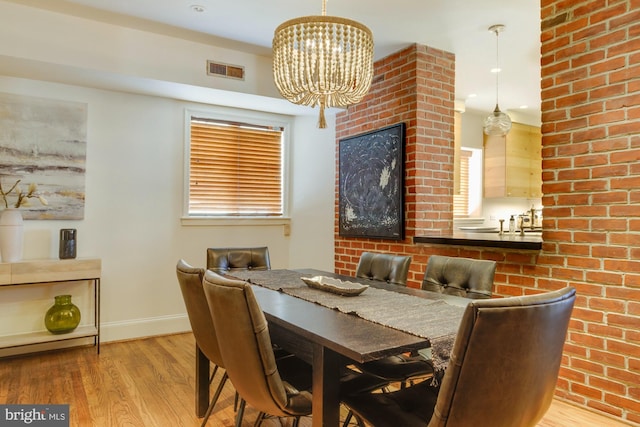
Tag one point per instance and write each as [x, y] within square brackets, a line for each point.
[150, 383]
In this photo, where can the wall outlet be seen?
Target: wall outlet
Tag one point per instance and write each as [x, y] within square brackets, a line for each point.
[492, 218]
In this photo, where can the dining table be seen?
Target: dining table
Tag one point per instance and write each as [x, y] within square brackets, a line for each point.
[331, 331]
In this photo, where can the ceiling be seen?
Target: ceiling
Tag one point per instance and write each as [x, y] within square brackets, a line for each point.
[457, 26]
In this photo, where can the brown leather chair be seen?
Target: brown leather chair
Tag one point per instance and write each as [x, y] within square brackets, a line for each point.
[502, 373]
[464, 277]
[469, 278]
[391, 269]
[226, 260]
[190, 280]
[384, 267]
[245, 345]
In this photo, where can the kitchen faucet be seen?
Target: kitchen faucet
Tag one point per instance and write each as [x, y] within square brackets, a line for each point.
[533, 217]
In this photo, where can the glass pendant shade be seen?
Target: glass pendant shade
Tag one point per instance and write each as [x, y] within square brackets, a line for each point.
[497, 123]
[323, 60]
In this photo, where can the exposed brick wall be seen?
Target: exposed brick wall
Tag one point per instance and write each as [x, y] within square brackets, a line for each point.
[591, 185]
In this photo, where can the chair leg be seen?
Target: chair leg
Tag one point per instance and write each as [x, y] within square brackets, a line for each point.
[215, 399]
[348, 418]
[240, 413]
[359, 421]
[213, 374]
[259, 420]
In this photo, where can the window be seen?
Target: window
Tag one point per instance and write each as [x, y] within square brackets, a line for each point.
[461, 200]
[235, 167]
[468, 202]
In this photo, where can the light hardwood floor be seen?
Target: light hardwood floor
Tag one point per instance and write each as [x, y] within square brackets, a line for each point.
[150, 382]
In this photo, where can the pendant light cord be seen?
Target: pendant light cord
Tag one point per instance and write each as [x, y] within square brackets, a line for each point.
[497, 123]
[497, 31]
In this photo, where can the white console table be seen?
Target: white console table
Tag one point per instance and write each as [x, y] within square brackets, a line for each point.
[24, 273]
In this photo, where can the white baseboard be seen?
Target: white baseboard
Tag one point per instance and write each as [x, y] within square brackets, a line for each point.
[113, 331]
[139, 328]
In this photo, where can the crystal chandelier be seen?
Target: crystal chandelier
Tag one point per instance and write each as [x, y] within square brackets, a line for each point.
[497, 123]
[323, 60]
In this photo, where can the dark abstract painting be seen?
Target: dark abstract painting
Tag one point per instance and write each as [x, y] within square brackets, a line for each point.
[371, 184]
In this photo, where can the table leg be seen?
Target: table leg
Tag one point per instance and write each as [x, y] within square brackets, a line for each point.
[326, 387]
[202, 382]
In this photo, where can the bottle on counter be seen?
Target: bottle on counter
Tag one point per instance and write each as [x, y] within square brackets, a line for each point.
[512, 225]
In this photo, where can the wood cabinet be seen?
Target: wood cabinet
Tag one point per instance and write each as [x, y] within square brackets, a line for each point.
[44, 272]
[513, 163]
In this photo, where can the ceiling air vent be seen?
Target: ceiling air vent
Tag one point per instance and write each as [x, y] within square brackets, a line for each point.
[225, 70]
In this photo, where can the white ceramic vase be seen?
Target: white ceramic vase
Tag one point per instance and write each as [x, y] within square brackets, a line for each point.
[11, 235]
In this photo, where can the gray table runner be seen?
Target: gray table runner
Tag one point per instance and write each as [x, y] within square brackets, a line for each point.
[432, 319]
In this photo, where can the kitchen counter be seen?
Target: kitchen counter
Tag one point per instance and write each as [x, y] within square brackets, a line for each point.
[530, 241]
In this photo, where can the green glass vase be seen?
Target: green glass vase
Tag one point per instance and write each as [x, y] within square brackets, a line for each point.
[63, 316]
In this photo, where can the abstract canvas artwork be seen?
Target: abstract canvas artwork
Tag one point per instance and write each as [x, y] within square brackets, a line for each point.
[44, 141]
[371, 184]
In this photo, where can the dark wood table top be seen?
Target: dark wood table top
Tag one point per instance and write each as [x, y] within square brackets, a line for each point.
[350, 336]
[342, 332]
[449, 299]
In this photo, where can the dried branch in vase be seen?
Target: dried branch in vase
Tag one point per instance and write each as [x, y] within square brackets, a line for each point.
[21, 197]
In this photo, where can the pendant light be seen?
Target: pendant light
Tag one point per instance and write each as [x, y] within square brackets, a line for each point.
[323, 60]
[497, 123]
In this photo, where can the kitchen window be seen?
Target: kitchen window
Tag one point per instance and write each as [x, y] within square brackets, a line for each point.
[468, 202]
[235, 167]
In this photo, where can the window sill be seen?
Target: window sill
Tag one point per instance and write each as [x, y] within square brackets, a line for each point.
[233, 221]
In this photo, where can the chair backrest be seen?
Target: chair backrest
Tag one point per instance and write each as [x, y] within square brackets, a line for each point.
[245, 344]
[224, 260]
[384, 267]
[190, 280]
[505, 361]
[469, 278]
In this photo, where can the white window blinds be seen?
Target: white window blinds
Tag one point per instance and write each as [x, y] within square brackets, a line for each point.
[235, 169]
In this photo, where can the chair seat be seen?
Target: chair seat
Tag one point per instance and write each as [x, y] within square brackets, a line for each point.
[353, 382]
[407, 407]
[299, 403]
[399, 368]
[295, 371]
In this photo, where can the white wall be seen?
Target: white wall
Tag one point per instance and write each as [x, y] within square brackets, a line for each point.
[38, 35]
[313, 192]
[134, 186]
[134, 179]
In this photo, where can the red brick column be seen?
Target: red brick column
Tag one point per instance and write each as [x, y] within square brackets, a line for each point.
[591, 185]
[414, 86]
